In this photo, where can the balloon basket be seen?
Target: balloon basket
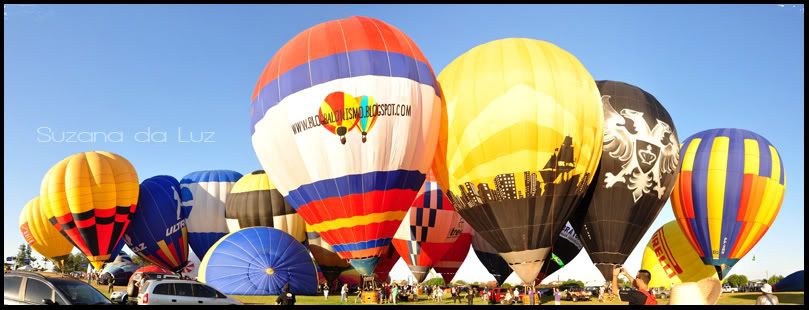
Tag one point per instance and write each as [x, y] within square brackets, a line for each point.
[370, 297]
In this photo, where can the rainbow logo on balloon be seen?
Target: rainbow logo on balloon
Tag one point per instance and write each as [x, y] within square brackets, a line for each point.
[341, 112]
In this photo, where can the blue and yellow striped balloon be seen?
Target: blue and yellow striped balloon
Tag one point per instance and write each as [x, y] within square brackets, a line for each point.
[729, 191]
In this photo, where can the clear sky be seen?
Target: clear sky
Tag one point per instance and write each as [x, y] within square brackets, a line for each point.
[126, 69]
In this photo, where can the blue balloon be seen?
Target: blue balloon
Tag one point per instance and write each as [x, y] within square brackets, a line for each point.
[259, 261]
[203, 194]
[157, 231]
[792, 283]
[118, 249]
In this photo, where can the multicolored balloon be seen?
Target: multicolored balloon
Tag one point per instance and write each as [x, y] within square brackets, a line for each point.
[488, 256]
[385, 264]
[344, 120]
[456, 255]
[204, 194]
[259, 261]
[41, 234]
[428, 231]
[254, 201]
[158, 231]
[90, 198]
[730, 189]
[522, 150]
[566, 248]
[639, 165]
[671, 259]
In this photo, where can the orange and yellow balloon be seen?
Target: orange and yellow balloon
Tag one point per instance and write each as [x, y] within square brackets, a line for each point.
[41, 235]
[671, 260]
[90, 197]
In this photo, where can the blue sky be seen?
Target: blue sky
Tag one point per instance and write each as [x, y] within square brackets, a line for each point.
[123, 68]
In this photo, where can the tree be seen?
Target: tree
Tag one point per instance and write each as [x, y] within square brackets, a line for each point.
[737, 280]
[20, 259]
[435, 281]
[506, 285]
[774, 279]
[573, 282]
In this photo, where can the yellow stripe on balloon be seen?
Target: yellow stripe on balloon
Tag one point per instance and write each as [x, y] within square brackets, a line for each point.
[167, 252]
[751, 156]
[776, 165]
[358, 220]
[691, 154]
[717, 172]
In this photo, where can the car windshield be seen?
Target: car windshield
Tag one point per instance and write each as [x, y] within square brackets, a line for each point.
[80, 293]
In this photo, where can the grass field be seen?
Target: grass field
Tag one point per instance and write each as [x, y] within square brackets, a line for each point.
[792, 298]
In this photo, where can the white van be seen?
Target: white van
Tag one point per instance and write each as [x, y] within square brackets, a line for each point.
[182, 292]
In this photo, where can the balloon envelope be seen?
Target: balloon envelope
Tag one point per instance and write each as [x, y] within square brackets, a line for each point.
[344, 120]
[259, 261]
[524, 138]
[791, 283]
[671, 260]
[254, 201]
[328, 261]
[90, 198]
[488, 256]
[385, 264]
[428, 231]
[730, 189]
[454, 258]
[639, 165]
[566, 248]
[42, 235]
[158, 231]
[204, 194]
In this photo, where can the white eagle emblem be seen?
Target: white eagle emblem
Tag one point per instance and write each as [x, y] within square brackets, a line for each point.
[645, 154]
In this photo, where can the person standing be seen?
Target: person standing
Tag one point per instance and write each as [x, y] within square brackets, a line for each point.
[517, 295]
[111, 285]
[470, 296]
[531, 296]
[326, 291]
[557, 296]
[344, 293]
[394, 293]
[639, 294]
[601, 294]
[767, 297]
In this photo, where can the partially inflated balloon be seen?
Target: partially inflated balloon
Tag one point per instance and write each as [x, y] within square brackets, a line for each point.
[639, 164]
[730, 189]
[254, 201]
[454, 258]
[41, 235]
[671, 260]
[428, 231]
[259, 261]
[328, 261]
[524, 139]
[90, 198]
[791, 283]
[344, 120]
[158, 231]
[386, 263]
[204, 194]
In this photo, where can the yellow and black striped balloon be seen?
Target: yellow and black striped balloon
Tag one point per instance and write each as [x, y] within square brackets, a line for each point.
[90, 197]
[254, 201]
[41, 235]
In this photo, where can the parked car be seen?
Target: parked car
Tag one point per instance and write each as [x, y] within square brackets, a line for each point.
[576, 293]
[181, 292]
[42, 288]
[118, 297]
[729, 289]
[661, 292]
[132, 286]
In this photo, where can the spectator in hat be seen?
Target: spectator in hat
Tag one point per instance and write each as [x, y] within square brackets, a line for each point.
[767, 298]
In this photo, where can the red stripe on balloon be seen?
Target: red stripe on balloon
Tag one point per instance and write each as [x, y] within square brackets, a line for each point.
[347, 206]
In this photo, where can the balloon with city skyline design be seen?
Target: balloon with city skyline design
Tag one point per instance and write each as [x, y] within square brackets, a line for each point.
[520, 152]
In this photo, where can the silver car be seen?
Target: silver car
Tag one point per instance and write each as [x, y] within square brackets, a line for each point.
[181, 292]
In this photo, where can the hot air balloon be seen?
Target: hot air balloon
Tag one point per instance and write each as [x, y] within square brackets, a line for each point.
[350, 277]
[254, 201]
[524, 138]
[90, 198]
[308, 128]
[158, 231]
[118, 271]
[456, 255]
[328, 261]
[671, 260]
[41, 234]
[730, 189]
[428, 231]
[567, 246]
[636, 174]
[259, 261]
[385, 264]
[488, 256]
[791, 283]
[204, 194]
[191, 269]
